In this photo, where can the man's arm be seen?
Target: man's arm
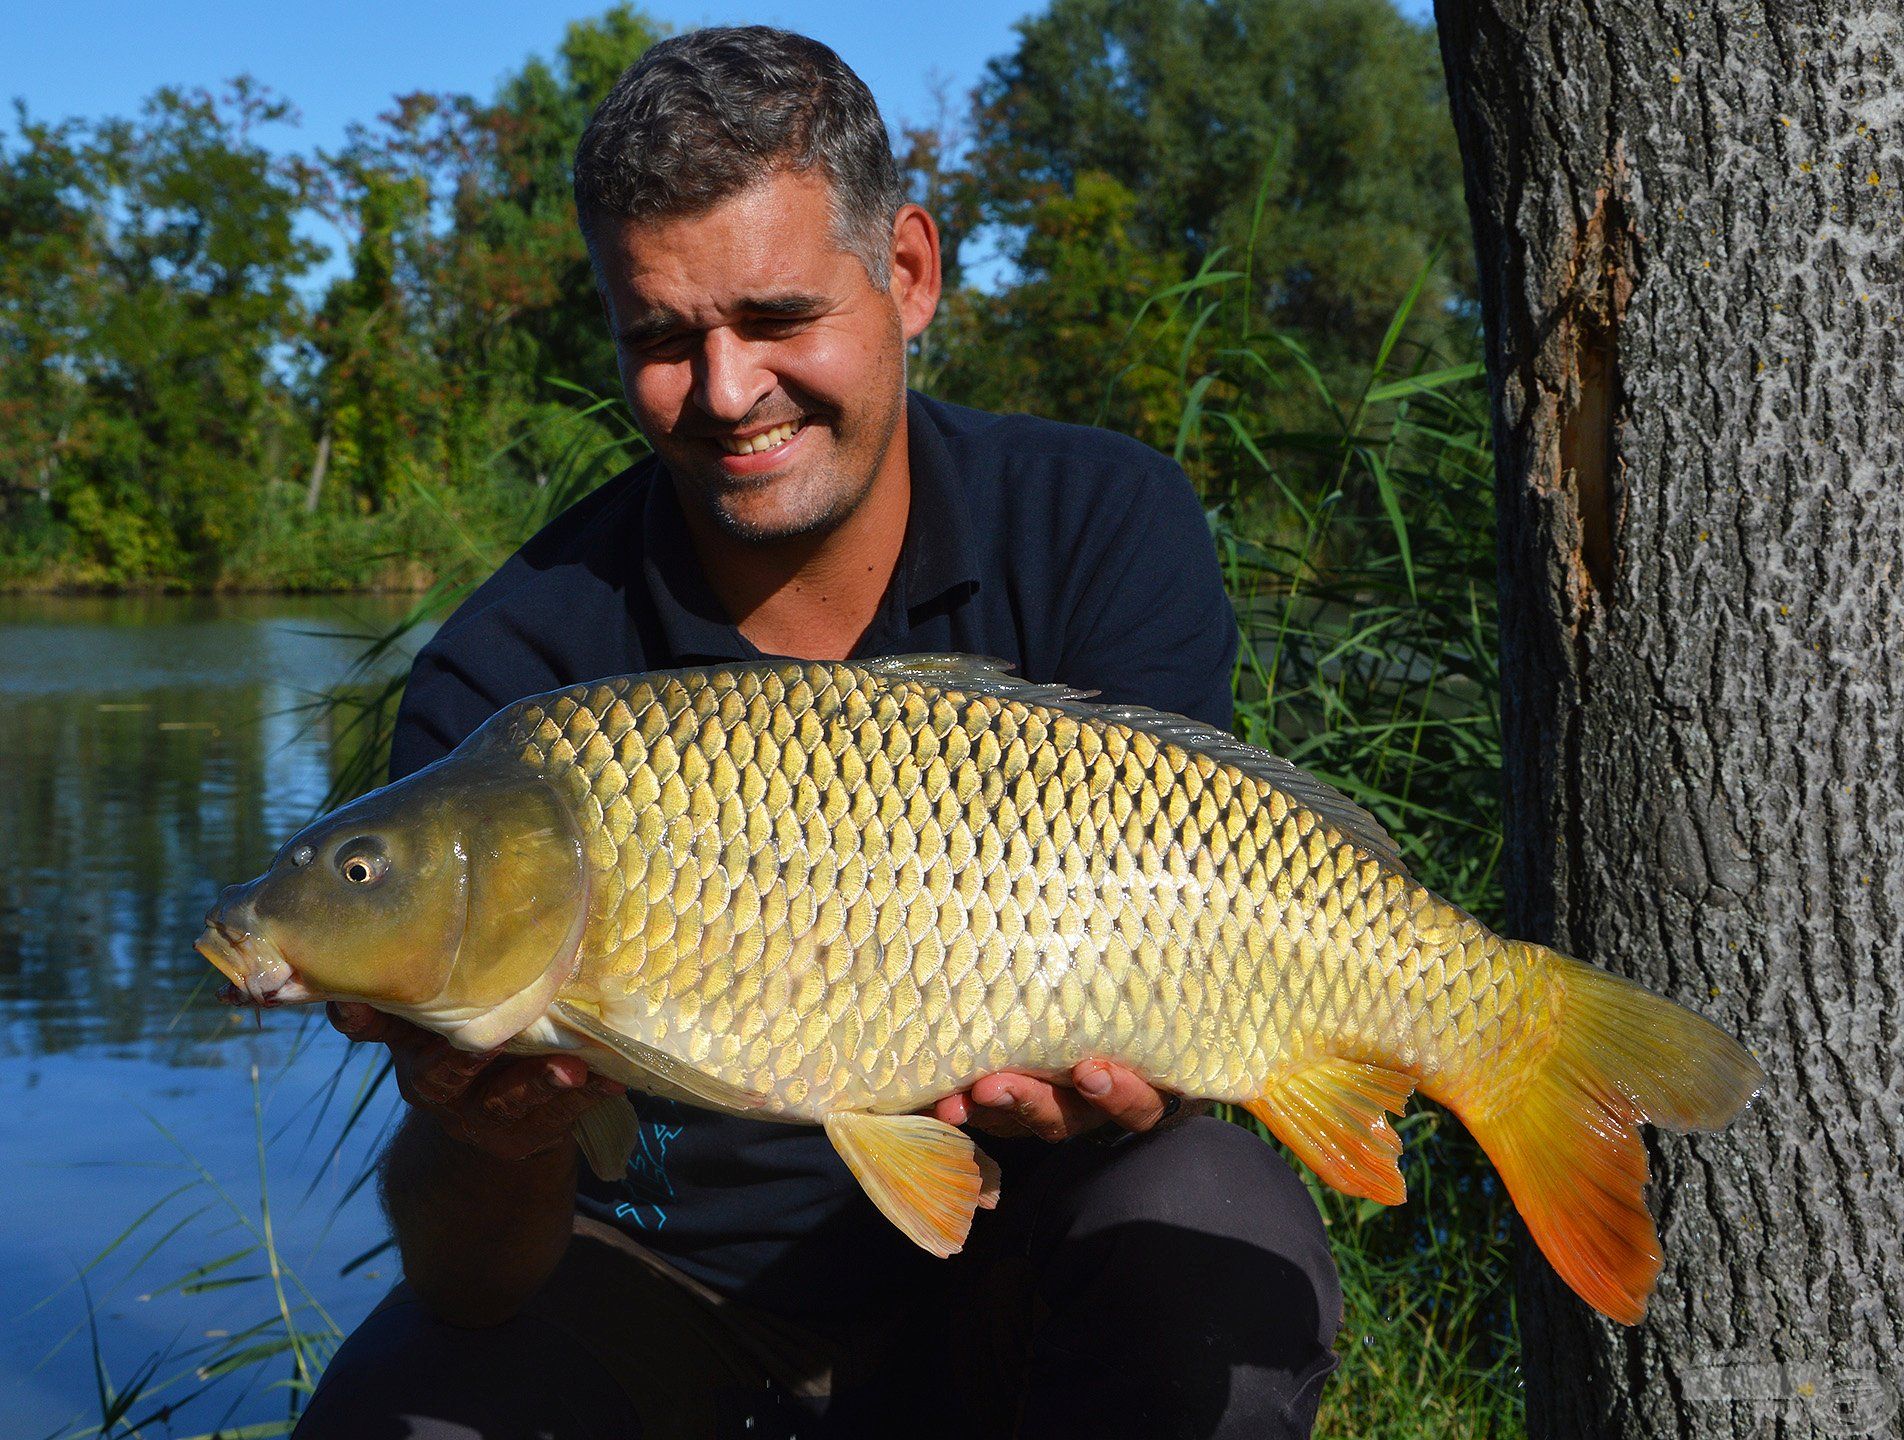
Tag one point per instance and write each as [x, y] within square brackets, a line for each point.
[479, 1182]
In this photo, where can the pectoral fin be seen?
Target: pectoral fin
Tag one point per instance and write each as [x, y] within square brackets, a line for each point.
[608, 1134]
[1334, 1115]
[926, 1176]
[650, 1061]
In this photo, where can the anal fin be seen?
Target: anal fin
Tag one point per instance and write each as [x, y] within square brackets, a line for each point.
[926, 1176]
[1334, 1114]
[708, 1089]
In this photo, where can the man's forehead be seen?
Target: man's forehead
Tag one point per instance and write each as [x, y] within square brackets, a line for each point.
[772, 242]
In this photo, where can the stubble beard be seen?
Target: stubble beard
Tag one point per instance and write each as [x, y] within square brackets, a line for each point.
[832, 496]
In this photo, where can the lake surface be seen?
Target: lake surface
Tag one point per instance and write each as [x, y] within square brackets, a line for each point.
[151, 752]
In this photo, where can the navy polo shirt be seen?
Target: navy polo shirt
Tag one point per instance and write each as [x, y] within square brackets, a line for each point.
[1076, 554]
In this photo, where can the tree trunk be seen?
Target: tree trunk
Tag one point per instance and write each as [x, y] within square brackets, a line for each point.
[319, 464]
[1688, 226]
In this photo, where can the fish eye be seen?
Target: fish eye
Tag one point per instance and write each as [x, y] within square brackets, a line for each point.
[362, 861]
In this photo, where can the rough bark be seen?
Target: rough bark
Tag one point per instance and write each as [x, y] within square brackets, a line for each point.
[1689, 227]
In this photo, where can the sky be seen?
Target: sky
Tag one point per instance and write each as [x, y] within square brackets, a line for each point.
[343, 60]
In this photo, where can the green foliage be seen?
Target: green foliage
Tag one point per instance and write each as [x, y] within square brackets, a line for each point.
[1046, 343]
[1368, 613]
[1181, 102]
[150, 267]
[172, 411]
[1133, 155]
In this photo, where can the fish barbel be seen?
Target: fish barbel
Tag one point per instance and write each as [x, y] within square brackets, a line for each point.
[832, 894]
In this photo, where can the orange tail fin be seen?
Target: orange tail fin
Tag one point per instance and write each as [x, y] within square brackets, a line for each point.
[1567, 1144]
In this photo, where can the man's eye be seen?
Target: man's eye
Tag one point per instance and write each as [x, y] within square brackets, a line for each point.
[665, 347]
[779, 327]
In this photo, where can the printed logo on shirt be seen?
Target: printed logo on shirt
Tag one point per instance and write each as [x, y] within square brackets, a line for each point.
[647, 1185]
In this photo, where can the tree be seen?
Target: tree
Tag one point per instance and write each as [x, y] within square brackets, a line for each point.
[148, 296]
[1686, 220]
[46, 261]
[1059, 341]
[375, 375]
[494, 282]
[1185, 102]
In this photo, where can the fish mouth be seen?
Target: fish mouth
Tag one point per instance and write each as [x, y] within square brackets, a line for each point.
[258, 972]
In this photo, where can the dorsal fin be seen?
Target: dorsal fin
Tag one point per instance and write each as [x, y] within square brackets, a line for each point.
[980, 675]
[975, 675]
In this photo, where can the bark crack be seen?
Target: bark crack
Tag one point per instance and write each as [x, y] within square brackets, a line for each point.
[1591, 399]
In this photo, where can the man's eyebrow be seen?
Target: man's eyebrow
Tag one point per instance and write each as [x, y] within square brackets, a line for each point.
[786, 304]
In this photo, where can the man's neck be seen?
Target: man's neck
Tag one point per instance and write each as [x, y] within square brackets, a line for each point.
[814, 596]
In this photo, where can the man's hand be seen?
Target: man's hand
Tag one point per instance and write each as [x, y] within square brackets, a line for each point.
[1011, 1105]
[511, 1106]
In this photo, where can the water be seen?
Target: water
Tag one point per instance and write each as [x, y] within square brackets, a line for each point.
[152, 751]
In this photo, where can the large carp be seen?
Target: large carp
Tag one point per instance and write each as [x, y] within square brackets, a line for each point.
[831, 894]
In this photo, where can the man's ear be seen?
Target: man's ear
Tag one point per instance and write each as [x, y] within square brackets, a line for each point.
[915, 281]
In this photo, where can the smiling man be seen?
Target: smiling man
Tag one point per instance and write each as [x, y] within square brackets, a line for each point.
[1146, 1273]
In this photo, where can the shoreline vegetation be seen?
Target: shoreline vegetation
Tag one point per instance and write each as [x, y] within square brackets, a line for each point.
[1286, 310]
[196, 395]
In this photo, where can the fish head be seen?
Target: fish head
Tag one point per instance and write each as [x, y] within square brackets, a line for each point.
[441, 897]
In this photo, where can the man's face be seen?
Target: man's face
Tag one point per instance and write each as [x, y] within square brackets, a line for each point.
[759, 359]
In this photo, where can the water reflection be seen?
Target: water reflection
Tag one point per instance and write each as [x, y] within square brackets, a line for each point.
[154, 751]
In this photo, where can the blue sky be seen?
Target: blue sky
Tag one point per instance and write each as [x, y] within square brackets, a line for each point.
[343, 60]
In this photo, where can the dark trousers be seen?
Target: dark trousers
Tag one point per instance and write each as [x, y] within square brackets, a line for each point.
[1177, 1284]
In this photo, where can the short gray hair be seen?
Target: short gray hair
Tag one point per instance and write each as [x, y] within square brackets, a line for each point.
[702, 116]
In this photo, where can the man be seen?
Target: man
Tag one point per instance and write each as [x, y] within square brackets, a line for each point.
[762, 277]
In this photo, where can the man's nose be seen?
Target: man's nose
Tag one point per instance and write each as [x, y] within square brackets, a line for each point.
[729, 379]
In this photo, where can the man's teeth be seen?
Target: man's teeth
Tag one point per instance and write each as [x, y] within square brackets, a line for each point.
[765, 440]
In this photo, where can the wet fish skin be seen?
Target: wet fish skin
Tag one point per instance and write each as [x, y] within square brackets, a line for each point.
[846, 890]
[832, 893]
[849, 889]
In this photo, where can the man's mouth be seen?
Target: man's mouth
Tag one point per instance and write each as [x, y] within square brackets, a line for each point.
[761, 441]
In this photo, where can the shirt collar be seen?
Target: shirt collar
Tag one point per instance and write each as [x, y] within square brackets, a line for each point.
[938, 555]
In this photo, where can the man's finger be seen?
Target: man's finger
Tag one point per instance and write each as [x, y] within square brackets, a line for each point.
[516, 1088]
[1119, 1094]
[438, 1072]
[953, 1109]
[359, 1022]
[366, 1025]
[1033, 1106]
[959, 1110]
